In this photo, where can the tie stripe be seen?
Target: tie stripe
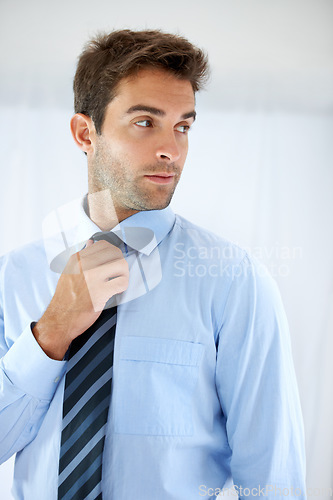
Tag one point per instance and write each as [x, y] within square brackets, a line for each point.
[78, 462]
[83, 428]
[85, 476]
[84, 374]
[93, 371]
[87, 339]
[85, 407]
[85, 410]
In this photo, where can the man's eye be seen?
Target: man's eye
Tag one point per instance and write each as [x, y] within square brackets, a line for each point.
[183, 128]
[144, 123]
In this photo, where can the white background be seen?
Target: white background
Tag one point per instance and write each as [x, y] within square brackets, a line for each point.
[259, 171]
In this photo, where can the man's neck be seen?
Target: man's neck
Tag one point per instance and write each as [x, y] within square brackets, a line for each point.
[103, 212]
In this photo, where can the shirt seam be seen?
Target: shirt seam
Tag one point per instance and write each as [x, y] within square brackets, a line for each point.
[246, 256]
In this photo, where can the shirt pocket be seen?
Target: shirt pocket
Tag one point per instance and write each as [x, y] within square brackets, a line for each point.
[154, 385]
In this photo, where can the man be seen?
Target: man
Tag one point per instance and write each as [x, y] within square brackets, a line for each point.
[203, 387]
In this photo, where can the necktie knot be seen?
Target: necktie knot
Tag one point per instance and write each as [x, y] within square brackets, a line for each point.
[107, 236]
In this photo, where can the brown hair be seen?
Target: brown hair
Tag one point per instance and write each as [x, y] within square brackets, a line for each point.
[108, 58]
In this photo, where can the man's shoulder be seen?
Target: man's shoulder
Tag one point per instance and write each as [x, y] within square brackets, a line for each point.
[28, 256]
[235, 261]
[202, 238]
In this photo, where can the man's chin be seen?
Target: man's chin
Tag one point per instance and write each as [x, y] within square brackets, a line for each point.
[154, 206]
[153, 203]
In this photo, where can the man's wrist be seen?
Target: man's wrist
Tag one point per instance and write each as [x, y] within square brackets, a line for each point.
[45, 335]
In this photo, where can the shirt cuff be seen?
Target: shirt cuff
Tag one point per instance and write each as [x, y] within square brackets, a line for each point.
[30, 369]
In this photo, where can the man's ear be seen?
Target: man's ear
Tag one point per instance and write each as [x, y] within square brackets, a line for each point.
[84, 132]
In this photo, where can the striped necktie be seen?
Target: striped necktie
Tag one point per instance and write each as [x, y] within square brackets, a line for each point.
[85, 408]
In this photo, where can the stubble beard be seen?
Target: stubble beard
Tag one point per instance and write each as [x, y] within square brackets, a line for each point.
[116, 175]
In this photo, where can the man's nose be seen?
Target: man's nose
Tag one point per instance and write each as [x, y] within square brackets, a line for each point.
[168, 149]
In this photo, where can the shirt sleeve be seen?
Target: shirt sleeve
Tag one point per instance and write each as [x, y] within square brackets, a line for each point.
[257, 388]
[28, 380]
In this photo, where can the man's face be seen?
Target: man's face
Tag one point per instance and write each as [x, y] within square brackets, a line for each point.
[141, 151]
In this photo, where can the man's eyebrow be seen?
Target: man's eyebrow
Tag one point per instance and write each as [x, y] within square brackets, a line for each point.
[157, 112]
[191, 114]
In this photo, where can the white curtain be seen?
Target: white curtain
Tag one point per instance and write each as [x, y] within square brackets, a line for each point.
[262, 179]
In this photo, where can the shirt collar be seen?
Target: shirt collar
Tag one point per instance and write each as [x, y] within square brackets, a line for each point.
[69, 227]
[131, 230]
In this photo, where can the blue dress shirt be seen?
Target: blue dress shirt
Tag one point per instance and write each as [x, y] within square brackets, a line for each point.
[203, 390]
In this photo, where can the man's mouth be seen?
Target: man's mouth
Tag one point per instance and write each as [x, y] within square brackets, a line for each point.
[161, 178]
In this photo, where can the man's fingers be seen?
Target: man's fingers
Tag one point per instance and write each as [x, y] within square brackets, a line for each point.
[95, 247]
[106, 271]
[117, 285]
[108, 290]
[89, 243]
[105, 281]
[103, 268]
[106, 255]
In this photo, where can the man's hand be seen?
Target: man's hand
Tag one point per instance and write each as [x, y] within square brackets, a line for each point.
[90, 278]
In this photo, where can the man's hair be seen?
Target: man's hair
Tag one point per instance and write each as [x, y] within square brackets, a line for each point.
[108, 58]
